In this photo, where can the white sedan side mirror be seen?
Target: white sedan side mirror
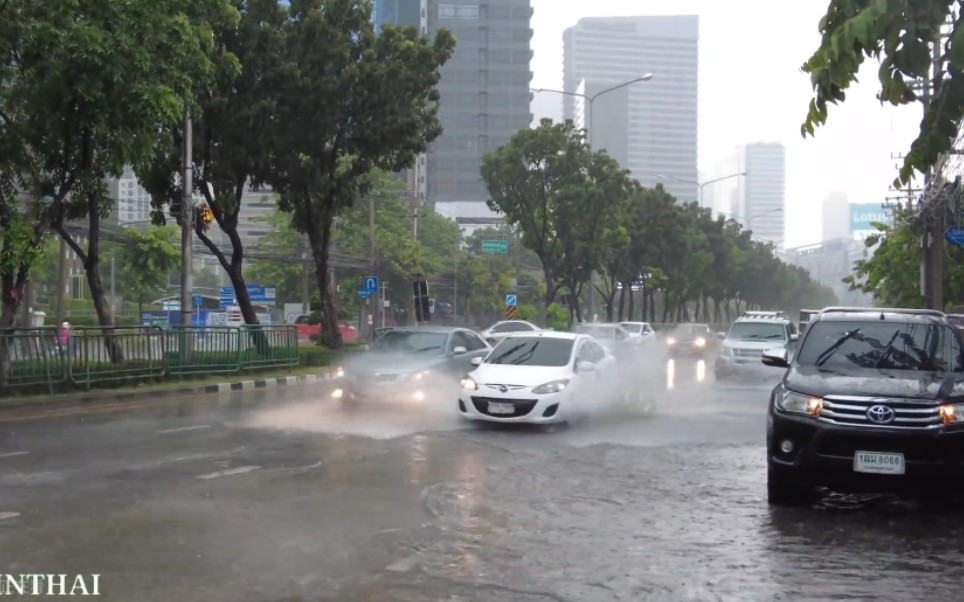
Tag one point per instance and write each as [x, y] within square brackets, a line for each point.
[584, 366]
[476, 361]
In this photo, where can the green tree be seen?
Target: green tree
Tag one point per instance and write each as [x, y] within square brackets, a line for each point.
[900, 35]
[348, 102]
[146, 259]
[530, 180]
[84, 92]
[231, 126]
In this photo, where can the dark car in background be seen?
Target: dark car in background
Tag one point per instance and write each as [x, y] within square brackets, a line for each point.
[873, 400]
[689, 340]
[410, 365]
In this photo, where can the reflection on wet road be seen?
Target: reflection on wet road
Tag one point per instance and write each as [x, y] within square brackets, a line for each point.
[288, 497]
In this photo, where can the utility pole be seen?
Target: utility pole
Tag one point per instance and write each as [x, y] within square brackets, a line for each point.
[187, 226]
[374, 263]
[305, 295]
[932, 269]
[113, 287]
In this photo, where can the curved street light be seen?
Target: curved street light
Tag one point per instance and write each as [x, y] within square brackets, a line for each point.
[591, 99]
[703, 185]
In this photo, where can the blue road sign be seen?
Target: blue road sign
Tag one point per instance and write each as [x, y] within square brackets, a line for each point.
[365, 294]
[197, 301]
[511, 300]
[955, 235]
[371, 284]
[259, 295]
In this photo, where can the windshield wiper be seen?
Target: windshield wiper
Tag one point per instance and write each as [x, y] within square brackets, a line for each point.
[888, 348]
[829, 351]
[505, 354]
[526, 356]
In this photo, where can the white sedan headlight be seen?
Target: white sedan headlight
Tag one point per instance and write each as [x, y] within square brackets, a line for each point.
[700, 342]
[339, 372]
[422, 375]
[469, 385]
[795, 403]
[551, 387]
[671, 341]
[953, 414]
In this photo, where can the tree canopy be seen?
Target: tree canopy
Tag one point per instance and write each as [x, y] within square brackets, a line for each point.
[579, 213]
[348, 102]
[85, 91]
[900, 35]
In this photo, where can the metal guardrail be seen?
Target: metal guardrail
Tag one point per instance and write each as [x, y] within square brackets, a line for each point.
[34, 358]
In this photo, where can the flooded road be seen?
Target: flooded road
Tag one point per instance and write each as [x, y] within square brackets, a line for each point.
[281, 496]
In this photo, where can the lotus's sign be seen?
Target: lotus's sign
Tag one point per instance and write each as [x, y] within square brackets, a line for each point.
[863, 216]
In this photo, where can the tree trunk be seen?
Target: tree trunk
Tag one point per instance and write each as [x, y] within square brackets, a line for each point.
[233, 267]
[696, 312]
[319, 237]
[91, 261]
[11, 291]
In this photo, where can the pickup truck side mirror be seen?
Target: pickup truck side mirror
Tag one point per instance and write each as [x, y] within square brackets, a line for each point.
[477, 361]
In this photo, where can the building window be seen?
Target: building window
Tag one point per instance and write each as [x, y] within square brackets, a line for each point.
[468, 12]
[446, 11]
[483, 56]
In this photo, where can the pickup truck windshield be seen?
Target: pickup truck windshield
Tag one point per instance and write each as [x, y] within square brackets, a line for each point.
[884, 345]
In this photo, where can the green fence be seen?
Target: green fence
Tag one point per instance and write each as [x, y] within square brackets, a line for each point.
[38, 358]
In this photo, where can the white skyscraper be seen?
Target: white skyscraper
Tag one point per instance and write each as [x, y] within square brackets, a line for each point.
[764, 202]
[649, 127]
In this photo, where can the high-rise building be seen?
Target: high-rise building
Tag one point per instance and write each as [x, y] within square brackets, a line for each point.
[836, 217]
[764, 202]
[132, 203]
[484, 90]
[649, 126]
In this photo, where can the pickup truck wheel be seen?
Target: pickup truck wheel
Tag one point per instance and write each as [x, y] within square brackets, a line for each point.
[783, 490]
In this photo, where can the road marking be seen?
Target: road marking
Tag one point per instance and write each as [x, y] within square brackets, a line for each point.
[184, 429]
[14, 454]
[6, 515]
[404, 565]
[228, 473]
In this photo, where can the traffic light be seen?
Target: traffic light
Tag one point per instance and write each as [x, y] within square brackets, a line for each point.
[205, 216]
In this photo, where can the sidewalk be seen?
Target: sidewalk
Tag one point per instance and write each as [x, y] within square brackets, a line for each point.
[166, 390]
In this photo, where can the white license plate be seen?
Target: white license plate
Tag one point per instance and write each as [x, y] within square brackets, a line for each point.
[878, 463]
[501, 408]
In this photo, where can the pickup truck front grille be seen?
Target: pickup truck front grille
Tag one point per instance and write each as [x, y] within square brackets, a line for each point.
[854, 411]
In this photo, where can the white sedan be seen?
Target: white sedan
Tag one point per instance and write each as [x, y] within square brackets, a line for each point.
[500, 330]
[540, 378]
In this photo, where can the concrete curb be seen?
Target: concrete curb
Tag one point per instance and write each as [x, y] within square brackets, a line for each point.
[102, 397]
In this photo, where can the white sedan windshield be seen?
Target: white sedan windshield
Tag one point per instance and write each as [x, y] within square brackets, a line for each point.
[532, 351]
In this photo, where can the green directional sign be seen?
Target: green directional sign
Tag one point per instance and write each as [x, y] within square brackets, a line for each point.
[499, 247]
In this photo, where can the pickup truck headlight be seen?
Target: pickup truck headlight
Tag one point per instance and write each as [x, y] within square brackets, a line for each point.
[795, 403]
[700, 342]
[551, 387]
[953, 414]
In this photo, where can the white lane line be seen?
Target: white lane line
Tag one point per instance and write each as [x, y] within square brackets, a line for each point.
[14, 454]
[6, 515]
[184, 429]
[228, 473]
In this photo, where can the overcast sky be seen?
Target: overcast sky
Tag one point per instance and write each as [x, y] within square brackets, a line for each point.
[752, 89]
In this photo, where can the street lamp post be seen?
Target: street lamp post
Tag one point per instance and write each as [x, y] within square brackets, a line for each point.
[589, 142]
[703, 185]
[749, 219]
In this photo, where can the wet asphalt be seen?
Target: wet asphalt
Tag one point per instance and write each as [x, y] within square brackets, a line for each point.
[280, 495]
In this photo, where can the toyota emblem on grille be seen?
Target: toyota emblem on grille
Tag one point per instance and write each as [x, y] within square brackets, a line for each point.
[881, 414]
[503, 388]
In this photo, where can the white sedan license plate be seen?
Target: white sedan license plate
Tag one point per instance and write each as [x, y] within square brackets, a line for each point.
[501, 408]
[878, 463]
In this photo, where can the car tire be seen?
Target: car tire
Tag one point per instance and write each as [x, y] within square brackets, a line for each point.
[784, 490]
